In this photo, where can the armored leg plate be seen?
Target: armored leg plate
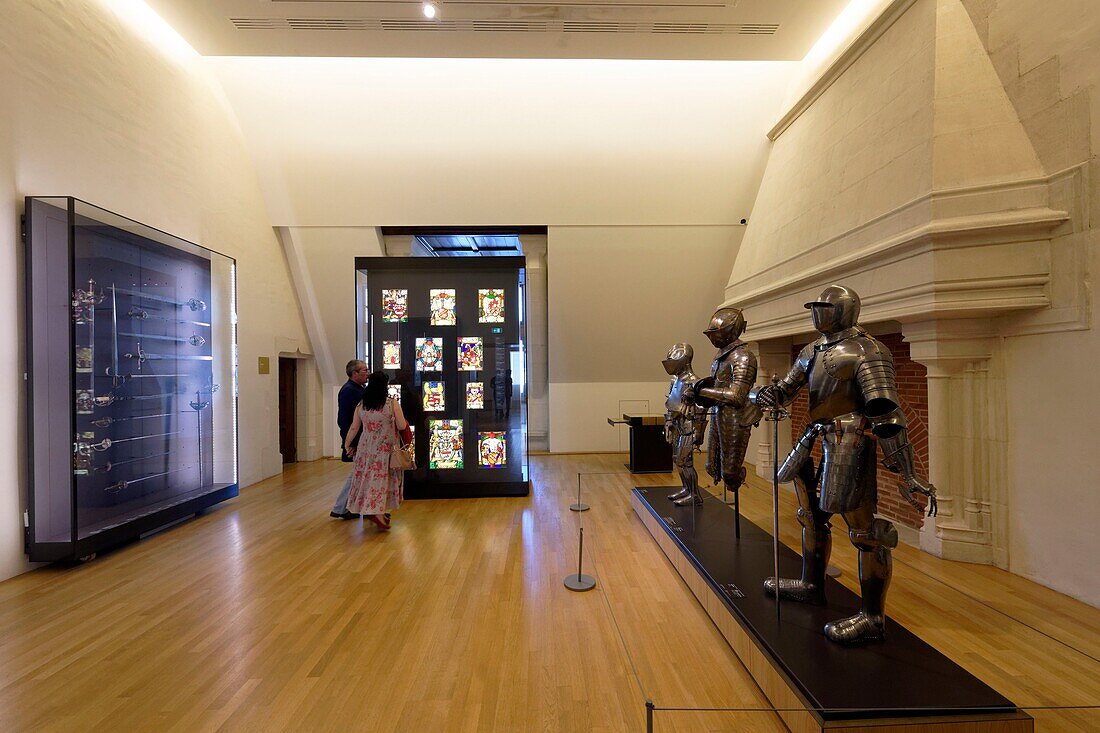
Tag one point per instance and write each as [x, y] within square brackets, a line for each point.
[792, 589]
[856, 629]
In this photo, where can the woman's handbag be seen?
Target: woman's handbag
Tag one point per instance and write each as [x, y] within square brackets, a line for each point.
[402, 455]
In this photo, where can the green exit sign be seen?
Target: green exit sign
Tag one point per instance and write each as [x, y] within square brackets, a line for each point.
[498, 329]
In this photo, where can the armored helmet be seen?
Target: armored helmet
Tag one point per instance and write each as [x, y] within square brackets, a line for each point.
[835, 310]
[678, 358]
[726, 326]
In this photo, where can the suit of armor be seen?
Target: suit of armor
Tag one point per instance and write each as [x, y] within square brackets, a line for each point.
[733, 374]
[853, 404]
[685, 422]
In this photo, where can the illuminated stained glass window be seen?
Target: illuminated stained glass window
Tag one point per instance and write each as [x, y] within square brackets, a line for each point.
[475, 396]
[391, 354]
[394, 391]
[433, 397]
[395, 306]
[492, 449]
[443, 307]
[444, 444]
[470, 351]
[429, 355]
[490, 306]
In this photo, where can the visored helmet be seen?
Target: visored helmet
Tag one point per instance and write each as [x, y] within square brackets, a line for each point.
[678, 358]
[835, 310]
[726, 326]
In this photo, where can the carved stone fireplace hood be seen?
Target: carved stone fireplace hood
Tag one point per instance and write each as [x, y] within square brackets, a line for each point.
[904, 172]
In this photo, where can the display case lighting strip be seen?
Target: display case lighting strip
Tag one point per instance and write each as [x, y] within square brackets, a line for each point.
[234, 366]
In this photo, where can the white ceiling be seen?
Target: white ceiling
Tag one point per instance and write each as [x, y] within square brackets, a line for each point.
[608, 29]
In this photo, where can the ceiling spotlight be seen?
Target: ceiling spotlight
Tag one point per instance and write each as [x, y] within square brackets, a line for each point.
[431, 8]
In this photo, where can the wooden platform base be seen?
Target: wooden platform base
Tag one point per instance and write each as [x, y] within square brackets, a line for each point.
[898, 686]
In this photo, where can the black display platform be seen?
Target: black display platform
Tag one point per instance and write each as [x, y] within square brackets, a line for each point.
[901, 677]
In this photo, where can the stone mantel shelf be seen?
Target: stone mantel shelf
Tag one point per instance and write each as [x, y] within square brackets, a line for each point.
[973, 252]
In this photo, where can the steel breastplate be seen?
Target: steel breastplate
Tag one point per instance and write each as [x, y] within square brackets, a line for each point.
[833, 391]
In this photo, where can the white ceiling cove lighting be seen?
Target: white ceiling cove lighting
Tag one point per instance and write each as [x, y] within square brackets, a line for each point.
[431, 9]
[152, 27]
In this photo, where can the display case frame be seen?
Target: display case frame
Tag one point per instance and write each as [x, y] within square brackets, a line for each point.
[501, 351]
[78, 409]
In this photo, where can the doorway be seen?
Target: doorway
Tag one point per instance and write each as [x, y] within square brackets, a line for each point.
[288, 409]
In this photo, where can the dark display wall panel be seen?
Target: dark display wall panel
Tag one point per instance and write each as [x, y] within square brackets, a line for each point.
[131, 378]
[450, 333]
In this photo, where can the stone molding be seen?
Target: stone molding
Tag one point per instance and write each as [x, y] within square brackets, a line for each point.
[981, 250]
[851, 53]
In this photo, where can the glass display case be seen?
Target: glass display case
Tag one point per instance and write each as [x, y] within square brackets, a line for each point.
[131, 374]
[450, 334]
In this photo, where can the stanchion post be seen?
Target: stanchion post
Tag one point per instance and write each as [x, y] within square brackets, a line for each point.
[579, 507]
[580, 581]
[649, 707]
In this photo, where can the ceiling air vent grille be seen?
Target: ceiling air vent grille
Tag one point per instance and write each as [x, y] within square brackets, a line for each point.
[248, 24]
[758, 29]
[501, 25]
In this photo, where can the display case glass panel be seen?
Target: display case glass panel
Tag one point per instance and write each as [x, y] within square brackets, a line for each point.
[464, 383]
[132, 381]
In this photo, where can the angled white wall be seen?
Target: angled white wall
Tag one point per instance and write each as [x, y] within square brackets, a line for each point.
[93, 109]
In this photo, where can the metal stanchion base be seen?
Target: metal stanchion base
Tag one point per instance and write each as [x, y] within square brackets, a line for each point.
[579, 507]
[580, 582]
[832, 571]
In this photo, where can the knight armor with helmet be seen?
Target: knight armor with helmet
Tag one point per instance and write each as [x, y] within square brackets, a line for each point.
[733, 374]
[685, 421]
[853, 403]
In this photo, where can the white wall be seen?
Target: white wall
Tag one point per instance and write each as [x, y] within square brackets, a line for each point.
[1048, 58]
[619, 298]
[373, 142]
[642, 171]
[92, 110]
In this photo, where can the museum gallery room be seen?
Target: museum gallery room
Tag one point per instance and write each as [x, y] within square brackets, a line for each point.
[595, 365]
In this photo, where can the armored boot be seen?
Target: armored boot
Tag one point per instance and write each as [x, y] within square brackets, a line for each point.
[693, 497]
[875, 568]
[817, 544]
[685, 491]
[691, 483]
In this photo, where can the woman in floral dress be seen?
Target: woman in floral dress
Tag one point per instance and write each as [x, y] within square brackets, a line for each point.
[376, 489]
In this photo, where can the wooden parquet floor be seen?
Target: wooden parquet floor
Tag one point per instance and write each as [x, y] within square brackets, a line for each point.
[265, 614]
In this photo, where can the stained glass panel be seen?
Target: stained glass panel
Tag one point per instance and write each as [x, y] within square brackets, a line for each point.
[445, 444]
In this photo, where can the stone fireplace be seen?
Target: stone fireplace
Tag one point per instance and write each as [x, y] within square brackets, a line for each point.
[906, 174]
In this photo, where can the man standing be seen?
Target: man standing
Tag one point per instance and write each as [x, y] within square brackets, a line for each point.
[351, 394]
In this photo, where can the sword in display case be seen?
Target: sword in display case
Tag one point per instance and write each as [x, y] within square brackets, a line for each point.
[194, 303]
[142, 315]
[106, 422]
[193, 339]
[106, 467]
[120, 485]
[141, 437]
[142, 356]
